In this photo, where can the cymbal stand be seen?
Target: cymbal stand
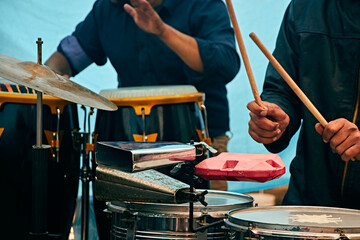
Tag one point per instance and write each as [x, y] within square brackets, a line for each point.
[85, 174]
[40, 156]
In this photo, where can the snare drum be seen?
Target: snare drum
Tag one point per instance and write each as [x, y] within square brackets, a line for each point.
[294, 222]
[17, 136]
[171, 221]
[153, 113]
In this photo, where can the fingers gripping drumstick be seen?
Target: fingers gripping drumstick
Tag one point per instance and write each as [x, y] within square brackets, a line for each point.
[243, 52]
[291, 83]
[289, 80]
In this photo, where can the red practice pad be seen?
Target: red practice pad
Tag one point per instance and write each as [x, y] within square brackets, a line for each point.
[241, 167]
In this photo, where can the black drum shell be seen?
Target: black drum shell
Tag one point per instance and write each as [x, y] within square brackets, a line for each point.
[173, 122]
[19, 135]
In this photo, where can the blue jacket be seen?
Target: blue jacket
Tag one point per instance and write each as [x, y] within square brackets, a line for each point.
[319, 46]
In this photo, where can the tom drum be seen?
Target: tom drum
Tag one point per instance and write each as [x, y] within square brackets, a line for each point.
[17, 136]
[152, 113]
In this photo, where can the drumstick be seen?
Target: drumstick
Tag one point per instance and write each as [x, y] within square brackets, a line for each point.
[243, 52]
[289, 80]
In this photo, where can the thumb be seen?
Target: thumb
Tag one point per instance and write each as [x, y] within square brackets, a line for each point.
[319, 128]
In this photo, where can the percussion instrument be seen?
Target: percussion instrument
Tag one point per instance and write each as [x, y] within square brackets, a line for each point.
[43, 79]
[153, 113]
[241, 167]
[17, 135]
[138, 156]
[294, 222]
[142, 220]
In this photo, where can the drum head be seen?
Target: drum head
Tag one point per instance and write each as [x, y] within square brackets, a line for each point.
[296, 221]
[219, 203]
[148, 91]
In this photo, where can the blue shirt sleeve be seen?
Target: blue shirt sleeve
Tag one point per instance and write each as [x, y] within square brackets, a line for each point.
[87, 34]
[74, 53]
[212, 30]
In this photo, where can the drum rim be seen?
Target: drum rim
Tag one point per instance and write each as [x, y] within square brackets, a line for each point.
[274, 229]
[179, 209]
[29, 98]
[159, 90]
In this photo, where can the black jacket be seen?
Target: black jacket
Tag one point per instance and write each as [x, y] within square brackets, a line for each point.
[319, 46]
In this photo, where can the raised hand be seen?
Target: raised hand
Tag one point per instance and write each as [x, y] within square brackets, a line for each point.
[145, 17]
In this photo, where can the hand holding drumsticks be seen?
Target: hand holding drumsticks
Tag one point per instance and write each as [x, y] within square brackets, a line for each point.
[268, 121]
[342, 135]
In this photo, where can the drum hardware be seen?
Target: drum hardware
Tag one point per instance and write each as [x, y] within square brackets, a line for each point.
[40, 154]
[187, 170]
[82, 140]
[54, 138]
[205, 136]
[57, 138]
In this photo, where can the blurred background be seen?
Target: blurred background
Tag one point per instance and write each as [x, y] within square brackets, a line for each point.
[22, 22]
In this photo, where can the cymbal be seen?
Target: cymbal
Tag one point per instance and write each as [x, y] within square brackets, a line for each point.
[43, 79]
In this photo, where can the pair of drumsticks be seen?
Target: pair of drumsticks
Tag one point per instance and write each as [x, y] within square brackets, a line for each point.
[275, 64]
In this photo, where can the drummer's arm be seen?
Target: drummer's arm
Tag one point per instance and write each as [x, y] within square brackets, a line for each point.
[59, 64]
[183, 45]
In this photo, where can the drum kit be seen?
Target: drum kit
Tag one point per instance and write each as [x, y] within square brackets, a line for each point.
[129, 145]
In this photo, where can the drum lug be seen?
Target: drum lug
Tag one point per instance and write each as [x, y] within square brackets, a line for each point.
[131, 229]
[251, 226]
[201, 235]
[250, 235]
[131, 220]
[342, 234]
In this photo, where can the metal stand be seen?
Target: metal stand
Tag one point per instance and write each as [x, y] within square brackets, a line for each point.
[188, 170]
[86, 175]
[40, 158]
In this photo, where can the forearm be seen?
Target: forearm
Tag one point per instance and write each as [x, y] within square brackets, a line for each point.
[184, 46]
[58, 63]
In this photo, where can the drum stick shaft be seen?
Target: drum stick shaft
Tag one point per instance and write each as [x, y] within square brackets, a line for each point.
[289, 80]
[243, 51]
